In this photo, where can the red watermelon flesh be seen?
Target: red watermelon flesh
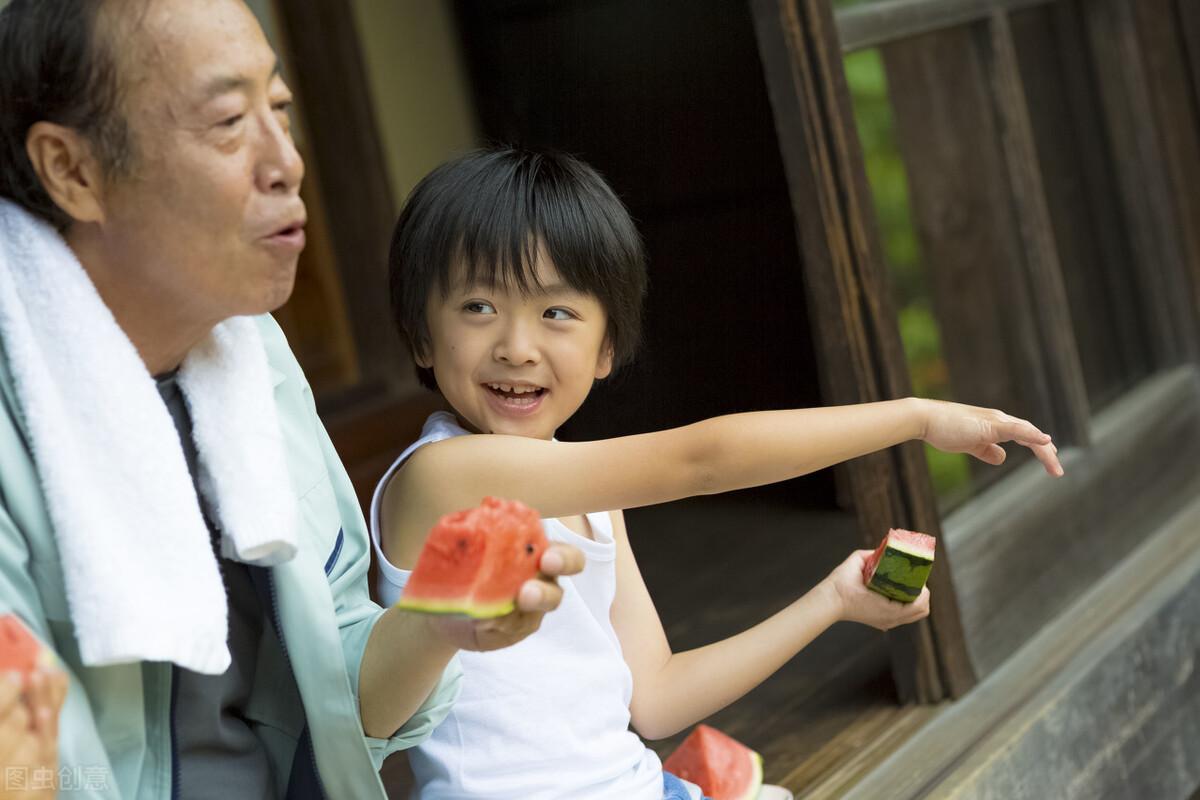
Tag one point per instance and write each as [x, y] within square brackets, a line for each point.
[900, 565]
[19, 651]
[723, 767]
[475, 561]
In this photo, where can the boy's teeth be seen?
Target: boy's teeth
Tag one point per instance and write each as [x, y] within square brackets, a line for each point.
[504, 387]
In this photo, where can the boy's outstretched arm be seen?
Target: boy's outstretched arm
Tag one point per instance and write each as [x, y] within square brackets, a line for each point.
[752, 448]
[716, 455]
[674, 690]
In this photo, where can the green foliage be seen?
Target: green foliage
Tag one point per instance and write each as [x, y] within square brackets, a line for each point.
[950, 472]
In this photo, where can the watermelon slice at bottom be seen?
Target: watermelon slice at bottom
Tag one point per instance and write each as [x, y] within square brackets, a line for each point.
[475, 561]
[723, 767]
[900, 565]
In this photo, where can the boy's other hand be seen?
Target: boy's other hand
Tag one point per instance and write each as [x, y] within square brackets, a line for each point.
[536, 598]
[856, 603]
[958, 428]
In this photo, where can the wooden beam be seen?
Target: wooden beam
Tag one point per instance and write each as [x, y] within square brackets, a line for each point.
[873, 24]
[349, 167]
[1029, 547]
[1189, 28]
[1104, 701]
[1077, 173]
[1142, 168]
[966, 223]
[1163, 28]
[1047, 296]
[857, 339]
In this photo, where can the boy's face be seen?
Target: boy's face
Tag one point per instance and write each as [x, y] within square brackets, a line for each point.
[516, 364]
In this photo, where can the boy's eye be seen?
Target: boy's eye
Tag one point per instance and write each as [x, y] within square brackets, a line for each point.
[479, 307]
[229, 122]
[558, 314]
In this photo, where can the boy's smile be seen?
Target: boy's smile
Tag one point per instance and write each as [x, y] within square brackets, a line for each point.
[516, 399]
[517, 363]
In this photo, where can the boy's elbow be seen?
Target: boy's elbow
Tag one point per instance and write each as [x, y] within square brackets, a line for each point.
[651, 732]
[701, 461]
[649, 724]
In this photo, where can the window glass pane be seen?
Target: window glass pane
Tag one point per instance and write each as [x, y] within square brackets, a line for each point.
[939, 181]
[919, 328]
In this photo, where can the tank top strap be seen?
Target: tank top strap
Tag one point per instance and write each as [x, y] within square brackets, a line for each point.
[438, 426]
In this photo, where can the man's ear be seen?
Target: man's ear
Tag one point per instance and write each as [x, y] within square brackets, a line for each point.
[604, 364]
[63, 161]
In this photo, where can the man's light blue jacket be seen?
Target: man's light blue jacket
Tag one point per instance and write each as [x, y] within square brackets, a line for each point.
[116, 724]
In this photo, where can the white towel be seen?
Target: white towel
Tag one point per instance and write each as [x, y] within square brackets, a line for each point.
[141, 578]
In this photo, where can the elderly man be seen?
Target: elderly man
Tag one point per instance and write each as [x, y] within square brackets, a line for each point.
[173, 519]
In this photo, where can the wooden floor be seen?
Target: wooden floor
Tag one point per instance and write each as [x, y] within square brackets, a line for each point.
[718, 565]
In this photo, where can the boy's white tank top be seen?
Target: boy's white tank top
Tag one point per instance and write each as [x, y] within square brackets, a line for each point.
[547, 718]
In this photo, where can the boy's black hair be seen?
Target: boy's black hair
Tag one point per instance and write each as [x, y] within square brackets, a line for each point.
[487, 212]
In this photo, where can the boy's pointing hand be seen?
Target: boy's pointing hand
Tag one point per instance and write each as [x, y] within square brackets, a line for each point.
[958, 428]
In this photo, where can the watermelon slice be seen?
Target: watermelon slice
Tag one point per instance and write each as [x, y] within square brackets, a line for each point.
[723, 767]
[20, 652]
[475, 561]
[900, 565]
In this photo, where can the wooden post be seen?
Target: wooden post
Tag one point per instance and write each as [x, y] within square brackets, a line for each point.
[966, 222]
[1169, 35]
[858, 342]
[349, 166]
[1066, 390]
[1126, 91]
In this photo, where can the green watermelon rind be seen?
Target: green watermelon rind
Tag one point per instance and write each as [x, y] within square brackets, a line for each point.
[456, 606]
[756, 780]
[900, 574]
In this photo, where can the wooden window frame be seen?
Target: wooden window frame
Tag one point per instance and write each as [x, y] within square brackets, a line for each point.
[802, 43]
[858, 344]
[861, 27]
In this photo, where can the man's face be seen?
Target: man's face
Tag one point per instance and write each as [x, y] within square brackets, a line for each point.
[210, 219]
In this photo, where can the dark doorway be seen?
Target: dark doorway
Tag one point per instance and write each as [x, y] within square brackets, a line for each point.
[668, 101]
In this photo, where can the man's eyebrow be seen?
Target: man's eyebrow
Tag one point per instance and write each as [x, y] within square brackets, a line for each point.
[232, 83]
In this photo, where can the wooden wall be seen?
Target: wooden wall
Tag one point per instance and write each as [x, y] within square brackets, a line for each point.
[667, 100]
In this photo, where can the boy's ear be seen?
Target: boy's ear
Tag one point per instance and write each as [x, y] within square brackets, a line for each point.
[69, 173]
[604, 364]
[421, 357]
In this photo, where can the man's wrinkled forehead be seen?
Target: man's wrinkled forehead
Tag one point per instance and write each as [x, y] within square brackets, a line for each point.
[186, 48]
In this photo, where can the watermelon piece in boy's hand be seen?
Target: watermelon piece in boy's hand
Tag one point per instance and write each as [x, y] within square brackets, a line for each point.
[900, 565]
[475, 561]
[20, 651]
[723, 767]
